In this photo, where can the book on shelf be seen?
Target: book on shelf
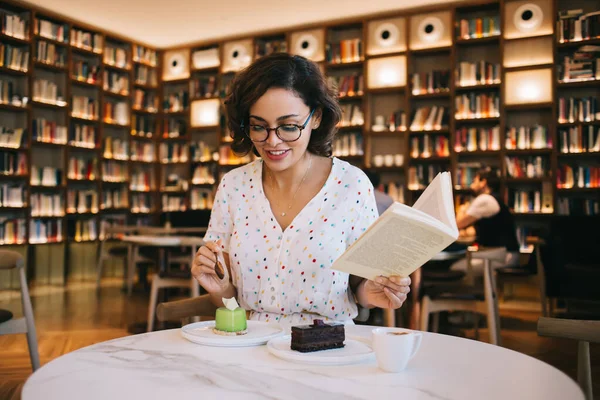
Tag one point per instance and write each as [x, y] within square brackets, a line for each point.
[141, 203]
[13, 164]
[173, 153]
[397, 122]
[47, 205]
[201, 152]
[45, 231]
[51, 30]
[50, 54]
[430, 82]
[116, 57]
[144, 55]
[145, 76]
[11, 138]
[203, 175]
[82, 136]
[201, 199]
[142, 126]
[115, 172]
[144, 100]
[45, 176]
[85, 108]
[45, 91]
[574, 25]
[527, 201]
[82, 169]
[465, 173]
[13, 230]
[474, 106]
[176, 101]
[114, 198]
[13, 195]
[528, 137]
[404, 238]
[116, 113]
[571, 109]
[14, 25]
[48, 131]
[346, 51]
[476, 28]
[578, 206]
[429, 119]
[347, 85]
[477, 139]
[14, 57]
[352, 115]
[427, 146]
[527, 167]
[83, 71]
[142, 181]
[86, 40]
[142, 151]
[345, 145]
[578, 176]
[171, 203]
[115, 148]
[204, 87]
[85, 230]
[9, 95]
[582, 65]
[579, 139]
[266, 47]
[477, 73]
[82, 201]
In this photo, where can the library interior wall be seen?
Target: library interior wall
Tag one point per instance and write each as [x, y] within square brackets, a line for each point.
[415, 41]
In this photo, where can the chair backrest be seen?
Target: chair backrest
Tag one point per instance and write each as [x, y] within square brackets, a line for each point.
[11, 259]
[584, 330]
[494, 254]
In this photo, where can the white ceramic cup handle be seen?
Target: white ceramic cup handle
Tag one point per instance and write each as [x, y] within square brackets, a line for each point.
[416, 344]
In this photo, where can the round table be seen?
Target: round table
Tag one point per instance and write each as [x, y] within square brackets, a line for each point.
[164, 365]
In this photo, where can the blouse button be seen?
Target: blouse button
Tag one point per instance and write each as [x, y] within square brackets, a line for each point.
[272, 297]
[272, 289]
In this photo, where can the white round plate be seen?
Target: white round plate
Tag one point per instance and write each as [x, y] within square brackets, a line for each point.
[258, 334]
[354, 351]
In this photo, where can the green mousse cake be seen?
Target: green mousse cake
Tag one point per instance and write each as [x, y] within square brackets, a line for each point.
[230, 322]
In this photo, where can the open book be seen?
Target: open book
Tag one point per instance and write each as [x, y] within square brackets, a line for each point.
[404, 238]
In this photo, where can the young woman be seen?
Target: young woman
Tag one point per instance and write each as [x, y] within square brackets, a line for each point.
[281, 221]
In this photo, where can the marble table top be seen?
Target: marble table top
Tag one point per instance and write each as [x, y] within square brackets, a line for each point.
[164, 365]
[163, 241]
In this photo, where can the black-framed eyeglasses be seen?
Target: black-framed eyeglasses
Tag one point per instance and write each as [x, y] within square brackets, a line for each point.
[286, 132]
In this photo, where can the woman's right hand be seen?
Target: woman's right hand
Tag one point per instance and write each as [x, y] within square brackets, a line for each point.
[205, 267]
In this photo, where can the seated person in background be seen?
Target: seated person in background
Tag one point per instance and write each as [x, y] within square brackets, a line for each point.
[493, 222]
[383, 200]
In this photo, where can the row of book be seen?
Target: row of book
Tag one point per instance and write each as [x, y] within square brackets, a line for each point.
[142, 126]
[47, 205]
[228, 157]
[47, 131]
[12, 57]
[347, 85]
[394, 190]
[82, 169]
[13, 231]
[45, 176]
[528, 137]
[173, 153]
[11, 138]
[144, 55]
[85, 230]
[142, 181]
[479, 73]
[420, 176]
[483, 105]
[174, 128]
[349, 50]
[476, 28]
[82, 136]
[203, 175]
[176, 101]
[571, 109]
[579, 139]
[85, 72]
[173, 203]
[114, 198]
[580, 207]
[396, 122]
[575, 25]
[46, 91]
[201, 199]
[204, 87]
[82, 201]
[350, 144]
[115, 148]
[569, 177]
[49, 53]
[352, 115]
[527, 201]
[8, 93]
[13, 164]
[115, 82]
[477, 139]
[85, 108]
[141, 203]
[116, 113]
[114, 172]
[201, 152]
[582, 65]
[527, 167]
[264, 48]
[145, 100]
[116, 56]
[51, 30]
[45, 231]
[427, 118]
[145, 76]
[427, 146]
[142, 151]
[13, 195]
[14, 25]
[465, 173]
[87, 40]
[430, 82]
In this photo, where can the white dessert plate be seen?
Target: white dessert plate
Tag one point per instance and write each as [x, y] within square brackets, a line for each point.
[354, 351]
[258, 334]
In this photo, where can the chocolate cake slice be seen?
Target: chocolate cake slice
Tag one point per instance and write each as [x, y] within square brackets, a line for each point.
[318, 336]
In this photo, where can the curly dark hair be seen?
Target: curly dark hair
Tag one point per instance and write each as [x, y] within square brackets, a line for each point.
[492, 176]
[285, 71]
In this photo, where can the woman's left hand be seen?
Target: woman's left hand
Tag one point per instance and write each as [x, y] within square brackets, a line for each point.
[384, 292]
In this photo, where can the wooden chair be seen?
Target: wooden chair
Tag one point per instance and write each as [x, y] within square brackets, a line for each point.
[120, 251]
[13, 260]
[524, 275]
[468, 295]
[582, 331]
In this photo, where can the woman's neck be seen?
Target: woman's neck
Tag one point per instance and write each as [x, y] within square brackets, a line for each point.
[289, 179]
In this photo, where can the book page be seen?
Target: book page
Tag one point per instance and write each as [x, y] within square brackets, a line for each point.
[437, 200]
[394, 245]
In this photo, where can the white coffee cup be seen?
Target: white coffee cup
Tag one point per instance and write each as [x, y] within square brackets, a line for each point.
[395, 347]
